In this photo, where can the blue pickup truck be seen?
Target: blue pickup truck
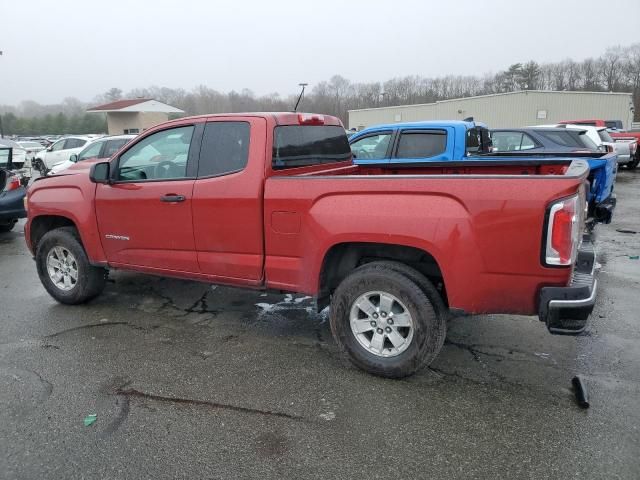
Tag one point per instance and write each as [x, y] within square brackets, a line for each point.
[403, 145]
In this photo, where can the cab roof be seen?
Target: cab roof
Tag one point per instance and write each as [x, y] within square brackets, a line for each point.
[427, 124]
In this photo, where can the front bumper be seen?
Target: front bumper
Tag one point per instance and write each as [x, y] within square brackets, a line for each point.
[566, 310]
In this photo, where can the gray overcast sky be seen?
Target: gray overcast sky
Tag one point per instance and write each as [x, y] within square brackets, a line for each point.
[79, 48]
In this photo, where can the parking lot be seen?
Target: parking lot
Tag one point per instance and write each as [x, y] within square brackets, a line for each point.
[193, 381]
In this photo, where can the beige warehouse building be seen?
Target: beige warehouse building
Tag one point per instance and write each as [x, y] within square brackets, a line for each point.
[503, 110]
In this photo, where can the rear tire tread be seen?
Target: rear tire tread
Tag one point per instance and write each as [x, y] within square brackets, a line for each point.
[420, 297]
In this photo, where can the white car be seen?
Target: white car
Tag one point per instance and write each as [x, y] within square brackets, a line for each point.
[601, 136]
[32, 149]
[18, 154]
[101, 148]
[61, 150]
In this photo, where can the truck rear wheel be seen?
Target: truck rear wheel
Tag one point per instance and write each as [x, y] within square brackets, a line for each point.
[385, 322]
[64, 268]
[633, 163]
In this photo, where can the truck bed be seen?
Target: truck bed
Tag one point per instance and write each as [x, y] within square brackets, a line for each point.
[480, 220]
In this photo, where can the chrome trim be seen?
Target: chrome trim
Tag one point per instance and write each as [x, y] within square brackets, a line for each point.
[576, 303]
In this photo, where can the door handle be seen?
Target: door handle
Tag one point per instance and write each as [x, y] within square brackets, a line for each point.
[172, 198]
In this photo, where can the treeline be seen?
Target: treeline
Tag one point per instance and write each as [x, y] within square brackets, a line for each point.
[53, 124]
[617, 70]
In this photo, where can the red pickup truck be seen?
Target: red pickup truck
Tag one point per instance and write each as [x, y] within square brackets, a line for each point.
[273, 201]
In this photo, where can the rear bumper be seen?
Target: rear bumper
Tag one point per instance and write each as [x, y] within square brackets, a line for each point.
[603, 211]
[566, 310]
[622, 159]
[12, 205]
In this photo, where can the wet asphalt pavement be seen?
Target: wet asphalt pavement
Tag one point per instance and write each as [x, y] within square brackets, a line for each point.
[190, 381]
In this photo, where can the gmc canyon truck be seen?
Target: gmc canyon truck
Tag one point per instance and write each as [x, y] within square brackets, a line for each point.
[443, 142]
[273, 201]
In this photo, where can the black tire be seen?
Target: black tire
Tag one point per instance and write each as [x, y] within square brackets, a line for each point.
[7, 227]
[633, 163]
[419, 279]
[425, 306]
[91, 280]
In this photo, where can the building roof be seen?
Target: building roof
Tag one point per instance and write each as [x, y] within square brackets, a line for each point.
[517, 92]
[135, 105]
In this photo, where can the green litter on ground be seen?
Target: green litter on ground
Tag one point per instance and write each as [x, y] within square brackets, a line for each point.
[90, 419]
[634, 257]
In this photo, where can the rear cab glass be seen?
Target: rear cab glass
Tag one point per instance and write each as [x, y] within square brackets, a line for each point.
[306, 145]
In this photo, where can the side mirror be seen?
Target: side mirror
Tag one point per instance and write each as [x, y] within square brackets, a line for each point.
[73, 158]
[99, 172]
[49, 148]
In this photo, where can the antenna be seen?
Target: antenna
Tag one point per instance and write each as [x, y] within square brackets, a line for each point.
[301, 96]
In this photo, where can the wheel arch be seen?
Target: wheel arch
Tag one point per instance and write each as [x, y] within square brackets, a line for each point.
[342, 258]
[42, 224]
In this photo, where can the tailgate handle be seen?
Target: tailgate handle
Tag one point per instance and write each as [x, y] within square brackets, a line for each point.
[172, 198]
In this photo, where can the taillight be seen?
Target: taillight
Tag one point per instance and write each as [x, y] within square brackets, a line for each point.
[13, 182]
[310, 119]
[563, 231]
[609, 148]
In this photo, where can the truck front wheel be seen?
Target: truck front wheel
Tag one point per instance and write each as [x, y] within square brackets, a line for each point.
[64, 268]
[385, 323]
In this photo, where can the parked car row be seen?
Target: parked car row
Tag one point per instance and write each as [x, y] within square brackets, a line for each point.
[444, 142]
[427, 221]
[68, 150]
[618, 135]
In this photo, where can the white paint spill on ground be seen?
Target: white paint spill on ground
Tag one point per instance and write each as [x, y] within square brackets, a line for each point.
[327, 416]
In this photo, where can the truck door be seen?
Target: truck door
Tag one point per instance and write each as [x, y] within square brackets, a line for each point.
[144, 216]
[227, 199]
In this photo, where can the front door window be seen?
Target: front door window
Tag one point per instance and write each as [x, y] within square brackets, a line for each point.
[162, 155]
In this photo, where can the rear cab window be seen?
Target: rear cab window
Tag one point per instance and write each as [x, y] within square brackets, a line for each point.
[306, 145]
